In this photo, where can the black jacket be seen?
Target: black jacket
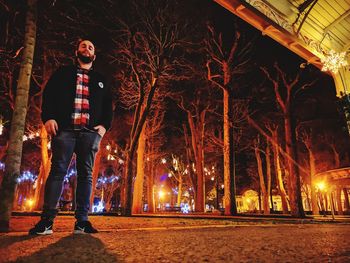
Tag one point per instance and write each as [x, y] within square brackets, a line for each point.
[59, 95]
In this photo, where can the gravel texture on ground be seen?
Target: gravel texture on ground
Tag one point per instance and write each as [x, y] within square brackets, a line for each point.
[138, 239]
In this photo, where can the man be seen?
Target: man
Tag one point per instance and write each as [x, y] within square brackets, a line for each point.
[76, 111]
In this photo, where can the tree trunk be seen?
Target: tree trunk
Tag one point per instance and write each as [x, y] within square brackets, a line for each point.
[278, 172]
[128, 184]
[336, 156]
[200, 190]
[139, 122]
[123, 191]
[189, 157]
[294, 188]
[15, 199]
[229, 176]
[268, 174]
[14, 154]
[315, 210]
[196, 123]
[140, 174]
[44, 170]
[150, 192]
[152, 172]
[263, 192]
[179, 191]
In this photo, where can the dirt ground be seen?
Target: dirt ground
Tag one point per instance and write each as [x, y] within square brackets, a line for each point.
[149, 239]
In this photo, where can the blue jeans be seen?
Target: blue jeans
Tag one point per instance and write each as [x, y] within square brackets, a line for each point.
[84, 144]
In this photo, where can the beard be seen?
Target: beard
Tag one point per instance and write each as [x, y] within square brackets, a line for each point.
[85, 59]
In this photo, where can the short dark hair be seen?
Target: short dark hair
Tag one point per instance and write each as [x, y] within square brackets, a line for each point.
[81, 40]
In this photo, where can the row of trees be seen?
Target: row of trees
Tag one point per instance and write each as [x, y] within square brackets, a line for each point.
[158, 57]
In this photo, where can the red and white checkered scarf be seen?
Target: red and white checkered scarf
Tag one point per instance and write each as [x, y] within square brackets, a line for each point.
[80, 115]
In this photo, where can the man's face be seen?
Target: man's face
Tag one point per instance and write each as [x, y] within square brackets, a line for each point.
[86, 52]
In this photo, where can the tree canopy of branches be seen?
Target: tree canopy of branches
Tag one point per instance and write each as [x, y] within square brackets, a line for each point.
[150, 56]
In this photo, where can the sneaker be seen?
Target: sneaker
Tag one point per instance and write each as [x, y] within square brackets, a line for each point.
[43, 227]
[84, 227]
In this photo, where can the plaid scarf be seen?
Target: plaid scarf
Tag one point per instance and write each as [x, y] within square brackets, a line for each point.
[80, 115]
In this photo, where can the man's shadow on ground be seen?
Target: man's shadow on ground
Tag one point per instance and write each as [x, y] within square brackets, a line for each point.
[73, 248]
[6, 241]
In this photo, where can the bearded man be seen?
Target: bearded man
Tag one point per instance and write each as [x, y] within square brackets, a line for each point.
[76, 112]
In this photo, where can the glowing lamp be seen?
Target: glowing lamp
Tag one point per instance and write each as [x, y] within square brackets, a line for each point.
[161, 194]
[334, 61]
[321, 186]
[30, 202]
[2, 166]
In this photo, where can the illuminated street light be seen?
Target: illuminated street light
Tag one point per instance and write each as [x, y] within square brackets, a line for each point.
[30, 204]
[212, 178]
[321, 186]
[161, 194]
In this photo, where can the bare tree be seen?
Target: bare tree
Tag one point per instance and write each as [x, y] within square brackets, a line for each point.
[148, 53]
[223, 65]
[277, 165]
[152, 128]
[263, 186]
[179, 172]
[284, 89]
[13, 160]
[196, 111]
[305, 136]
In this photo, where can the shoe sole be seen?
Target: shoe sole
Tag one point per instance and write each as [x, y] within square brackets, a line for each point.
[79, 232]
[48, 232]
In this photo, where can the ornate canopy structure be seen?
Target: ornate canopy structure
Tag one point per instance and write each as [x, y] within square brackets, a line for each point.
[316, 30]
[339, 176]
